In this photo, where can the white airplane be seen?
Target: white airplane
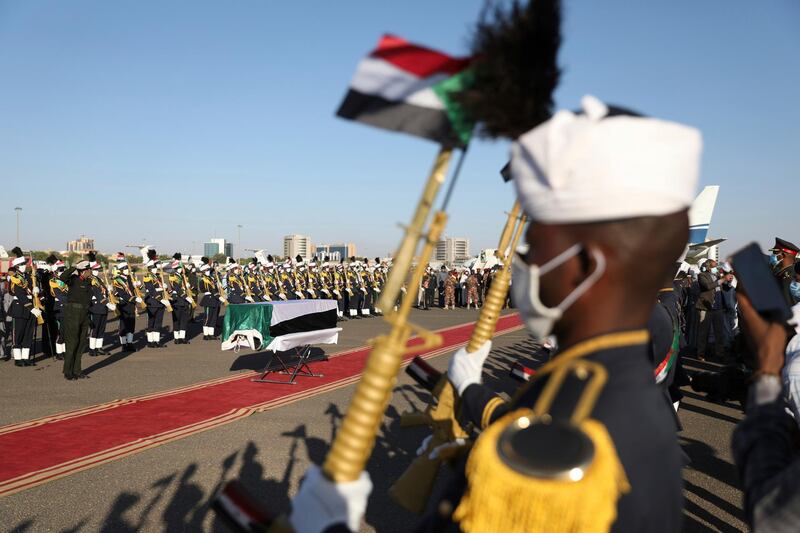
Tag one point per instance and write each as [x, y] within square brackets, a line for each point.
[699, 221]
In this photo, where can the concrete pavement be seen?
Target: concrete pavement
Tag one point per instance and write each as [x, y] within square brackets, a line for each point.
[168, 488]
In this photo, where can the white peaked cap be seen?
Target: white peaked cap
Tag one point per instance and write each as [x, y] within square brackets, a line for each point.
[598, 166]
[204, 268]
[19, 261]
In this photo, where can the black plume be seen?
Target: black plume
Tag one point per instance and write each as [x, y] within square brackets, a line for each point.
[269, 258]
[151, 254]
[51, 259]
[204, 260]
[177, 255]
[91, 256]
[515, 68]
[327, 258]
[299, 258]
[17, 251]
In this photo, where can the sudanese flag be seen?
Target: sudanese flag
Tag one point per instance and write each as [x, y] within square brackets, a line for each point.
[405, 87]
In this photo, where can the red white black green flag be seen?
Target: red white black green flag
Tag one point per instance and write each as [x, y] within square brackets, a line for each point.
[405, 87]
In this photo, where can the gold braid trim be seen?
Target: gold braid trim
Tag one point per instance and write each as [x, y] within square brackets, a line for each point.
[488, 411]
[588, 347]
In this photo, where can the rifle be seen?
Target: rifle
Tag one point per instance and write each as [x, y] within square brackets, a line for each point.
[222, 297]
[112, 298]
[262, 282]
[355, 439]
[166, 292]
[37, 302]
[413, 488]
[137, 292]
[187, 288]
[247, 291]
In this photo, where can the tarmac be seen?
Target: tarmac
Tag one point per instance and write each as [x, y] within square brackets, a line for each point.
[169, 488]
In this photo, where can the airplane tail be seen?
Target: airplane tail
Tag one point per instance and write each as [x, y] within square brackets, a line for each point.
[700, 214]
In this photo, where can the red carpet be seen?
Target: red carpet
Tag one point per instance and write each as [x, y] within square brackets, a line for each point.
[58, 445]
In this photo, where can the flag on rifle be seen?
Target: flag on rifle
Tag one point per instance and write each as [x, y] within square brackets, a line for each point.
[401, 86]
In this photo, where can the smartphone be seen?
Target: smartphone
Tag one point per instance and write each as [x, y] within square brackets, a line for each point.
[753, 272]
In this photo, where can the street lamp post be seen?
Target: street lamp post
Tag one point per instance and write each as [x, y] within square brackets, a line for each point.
[239, 238]
[18, 209]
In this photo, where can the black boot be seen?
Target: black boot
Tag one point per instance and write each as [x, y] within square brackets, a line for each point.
[101, 351]
[92, 353]
[18, 362]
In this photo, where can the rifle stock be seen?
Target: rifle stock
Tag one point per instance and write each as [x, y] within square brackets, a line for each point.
[413, 488]
[166, 292]
[37, 302]
[222, 297]
[112, 298]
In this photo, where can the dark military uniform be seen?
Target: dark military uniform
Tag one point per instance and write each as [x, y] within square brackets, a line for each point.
[58, 299]
[98, 317]
[254, 284]
[23, 322]
[642, 431]
[236, 291]
[210, 302]
[367, 302]
[154, 293]
[126, 305]
[181, 308]
[76, 321]
[50, 329]
[356, 294]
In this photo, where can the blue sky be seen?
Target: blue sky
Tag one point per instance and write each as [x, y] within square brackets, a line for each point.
[175, 121]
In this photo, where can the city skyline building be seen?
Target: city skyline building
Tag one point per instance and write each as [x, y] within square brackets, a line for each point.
[217, 246]
[335, 252]
[82, 245]
[294, 245]
[452, 249]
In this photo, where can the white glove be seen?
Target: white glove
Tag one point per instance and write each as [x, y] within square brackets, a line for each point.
[111, 307]
[138, 300]
[36, 312]
[466, 368]
[445, 450]
[137, 283]
[190, 300]
[249, 299]
[159, 289]
[223, 300]
[424, 445]
[441, 450]
[164, 302]
[110, 288]
[36, 290]
[320, 503]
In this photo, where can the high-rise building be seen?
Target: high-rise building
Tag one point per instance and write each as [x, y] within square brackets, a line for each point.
[452, 249]
[335, 252]
[84, 244]
[217, 246]
[343, 250]
[321, 251]
[294, 245]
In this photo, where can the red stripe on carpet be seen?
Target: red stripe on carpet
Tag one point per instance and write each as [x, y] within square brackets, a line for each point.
[59, 445]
